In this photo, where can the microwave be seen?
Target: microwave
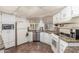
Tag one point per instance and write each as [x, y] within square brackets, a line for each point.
[7, 26]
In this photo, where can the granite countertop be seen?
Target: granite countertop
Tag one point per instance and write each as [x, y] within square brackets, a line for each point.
[47, 31]
[72, 49]
[68, 39]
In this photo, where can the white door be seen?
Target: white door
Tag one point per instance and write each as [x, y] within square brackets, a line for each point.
[21, 36]
[21, 32]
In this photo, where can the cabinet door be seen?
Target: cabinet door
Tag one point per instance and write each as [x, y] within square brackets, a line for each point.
[45, 37]
[75, 11]
[55, 19]
[8, 19]
[42, 37]
[58, 18]
[63, 45]
[66, 14]
[62, 14]
[49, 39]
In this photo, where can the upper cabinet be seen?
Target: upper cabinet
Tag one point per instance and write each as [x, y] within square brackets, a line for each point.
[55, 19]
[8, 19]
[75, 11]
[66, 13]
[58, 17]
[63, 15]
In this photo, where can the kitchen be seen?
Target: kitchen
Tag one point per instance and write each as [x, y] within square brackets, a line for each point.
[56, 26]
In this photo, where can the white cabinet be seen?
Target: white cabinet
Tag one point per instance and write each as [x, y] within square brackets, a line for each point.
[63, 16]
[33, 26]
[75, 11]
[55, 19]
[48, 39]
[58, 17]
[8, 19]
[68, 13]
[45, 37]
[42, 39]
[62, 45]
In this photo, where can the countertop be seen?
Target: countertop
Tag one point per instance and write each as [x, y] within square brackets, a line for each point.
[47, 31]
[72, 49]
[68, 39]
[62, 37]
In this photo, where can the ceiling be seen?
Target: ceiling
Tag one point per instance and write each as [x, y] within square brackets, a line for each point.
[31, 11]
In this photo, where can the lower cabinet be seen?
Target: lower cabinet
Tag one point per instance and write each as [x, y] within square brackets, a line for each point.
[45, 37]
[57, 44]
[42, 37]
[62, 45]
